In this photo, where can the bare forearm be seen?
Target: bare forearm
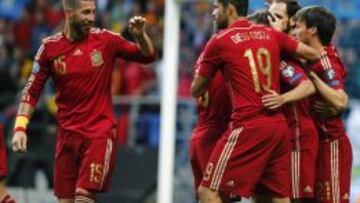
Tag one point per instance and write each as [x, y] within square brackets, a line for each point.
[145, 44]
[198, 86]
[337, 98]
[25, 109]
[307, 52]
[197, 91]
[19, 141]
[22, 119]
[303, 90]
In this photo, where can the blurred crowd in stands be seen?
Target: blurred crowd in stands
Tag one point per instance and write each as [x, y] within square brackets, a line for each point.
[23, 23]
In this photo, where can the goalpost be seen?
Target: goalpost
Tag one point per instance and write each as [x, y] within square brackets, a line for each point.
[165, 176]
[169, 84]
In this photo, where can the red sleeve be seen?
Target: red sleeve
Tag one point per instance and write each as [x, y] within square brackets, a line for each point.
[128, 50]
[332, 72]
[292, 74]
[210, 60]
[197, 64]
[39, 75]
[287, 44]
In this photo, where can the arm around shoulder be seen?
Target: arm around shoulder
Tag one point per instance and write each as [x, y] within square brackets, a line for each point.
[307, 52]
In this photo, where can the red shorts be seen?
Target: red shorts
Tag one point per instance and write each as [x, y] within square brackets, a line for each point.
[303, 167]
[254, 158]
[3, 160]
[303, 164]
[334, 171]
[201, 149]
[83, 163]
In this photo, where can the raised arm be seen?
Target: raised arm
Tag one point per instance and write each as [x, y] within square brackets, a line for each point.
[137, 26]
[290, 46]
[142, 50]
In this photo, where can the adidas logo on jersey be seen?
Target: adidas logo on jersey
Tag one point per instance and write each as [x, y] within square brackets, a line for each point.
[78, 52]
[308, 189]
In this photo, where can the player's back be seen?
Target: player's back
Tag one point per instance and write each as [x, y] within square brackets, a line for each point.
[250, 60]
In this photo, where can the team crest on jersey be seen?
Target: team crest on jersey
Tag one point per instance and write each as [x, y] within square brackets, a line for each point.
[288, 71]
[36, 68]
[330, 74]
[96, 58]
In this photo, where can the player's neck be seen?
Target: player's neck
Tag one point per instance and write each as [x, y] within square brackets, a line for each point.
[234, 19]
[71, 34]
[316, 44]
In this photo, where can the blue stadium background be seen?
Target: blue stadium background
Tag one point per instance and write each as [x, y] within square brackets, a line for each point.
[136, 89]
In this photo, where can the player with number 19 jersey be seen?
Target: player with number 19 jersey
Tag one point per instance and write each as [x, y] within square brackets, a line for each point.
[255, 156]
[247, 55]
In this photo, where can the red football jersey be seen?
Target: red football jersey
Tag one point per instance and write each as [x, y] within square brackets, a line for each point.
[298, 114]
[218, 111]
[82, 73]
[249, 56]
[332, 71]
[3, 159]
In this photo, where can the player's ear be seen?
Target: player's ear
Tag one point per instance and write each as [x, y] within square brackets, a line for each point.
[231, 10]
[292, 22]
[313, 31]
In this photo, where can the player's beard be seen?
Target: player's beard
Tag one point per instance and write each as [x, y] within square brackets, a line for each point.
[221, 22]
[80, 28]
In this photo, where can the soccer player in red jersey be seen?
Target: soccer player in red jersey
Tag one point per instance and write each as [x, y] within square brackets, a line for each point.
[303, 133]
[214, 110]
[80, 60]
[4, 196]
[253, 158]
[315, 27]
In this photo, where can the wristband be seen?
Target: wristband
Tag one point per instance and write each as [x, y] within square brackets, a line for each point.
[19, 129]
[21, 122]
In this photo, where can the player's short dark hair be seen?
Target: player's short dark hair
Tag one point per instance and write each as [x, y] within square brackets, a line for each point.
[260, 17]
[72, 4]
[292, 6]
[320, 18]
[241, 6]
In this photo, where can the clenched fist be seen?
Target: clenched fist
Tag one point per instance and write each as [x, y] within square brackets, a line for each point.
[19, 142]
[137, 26]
